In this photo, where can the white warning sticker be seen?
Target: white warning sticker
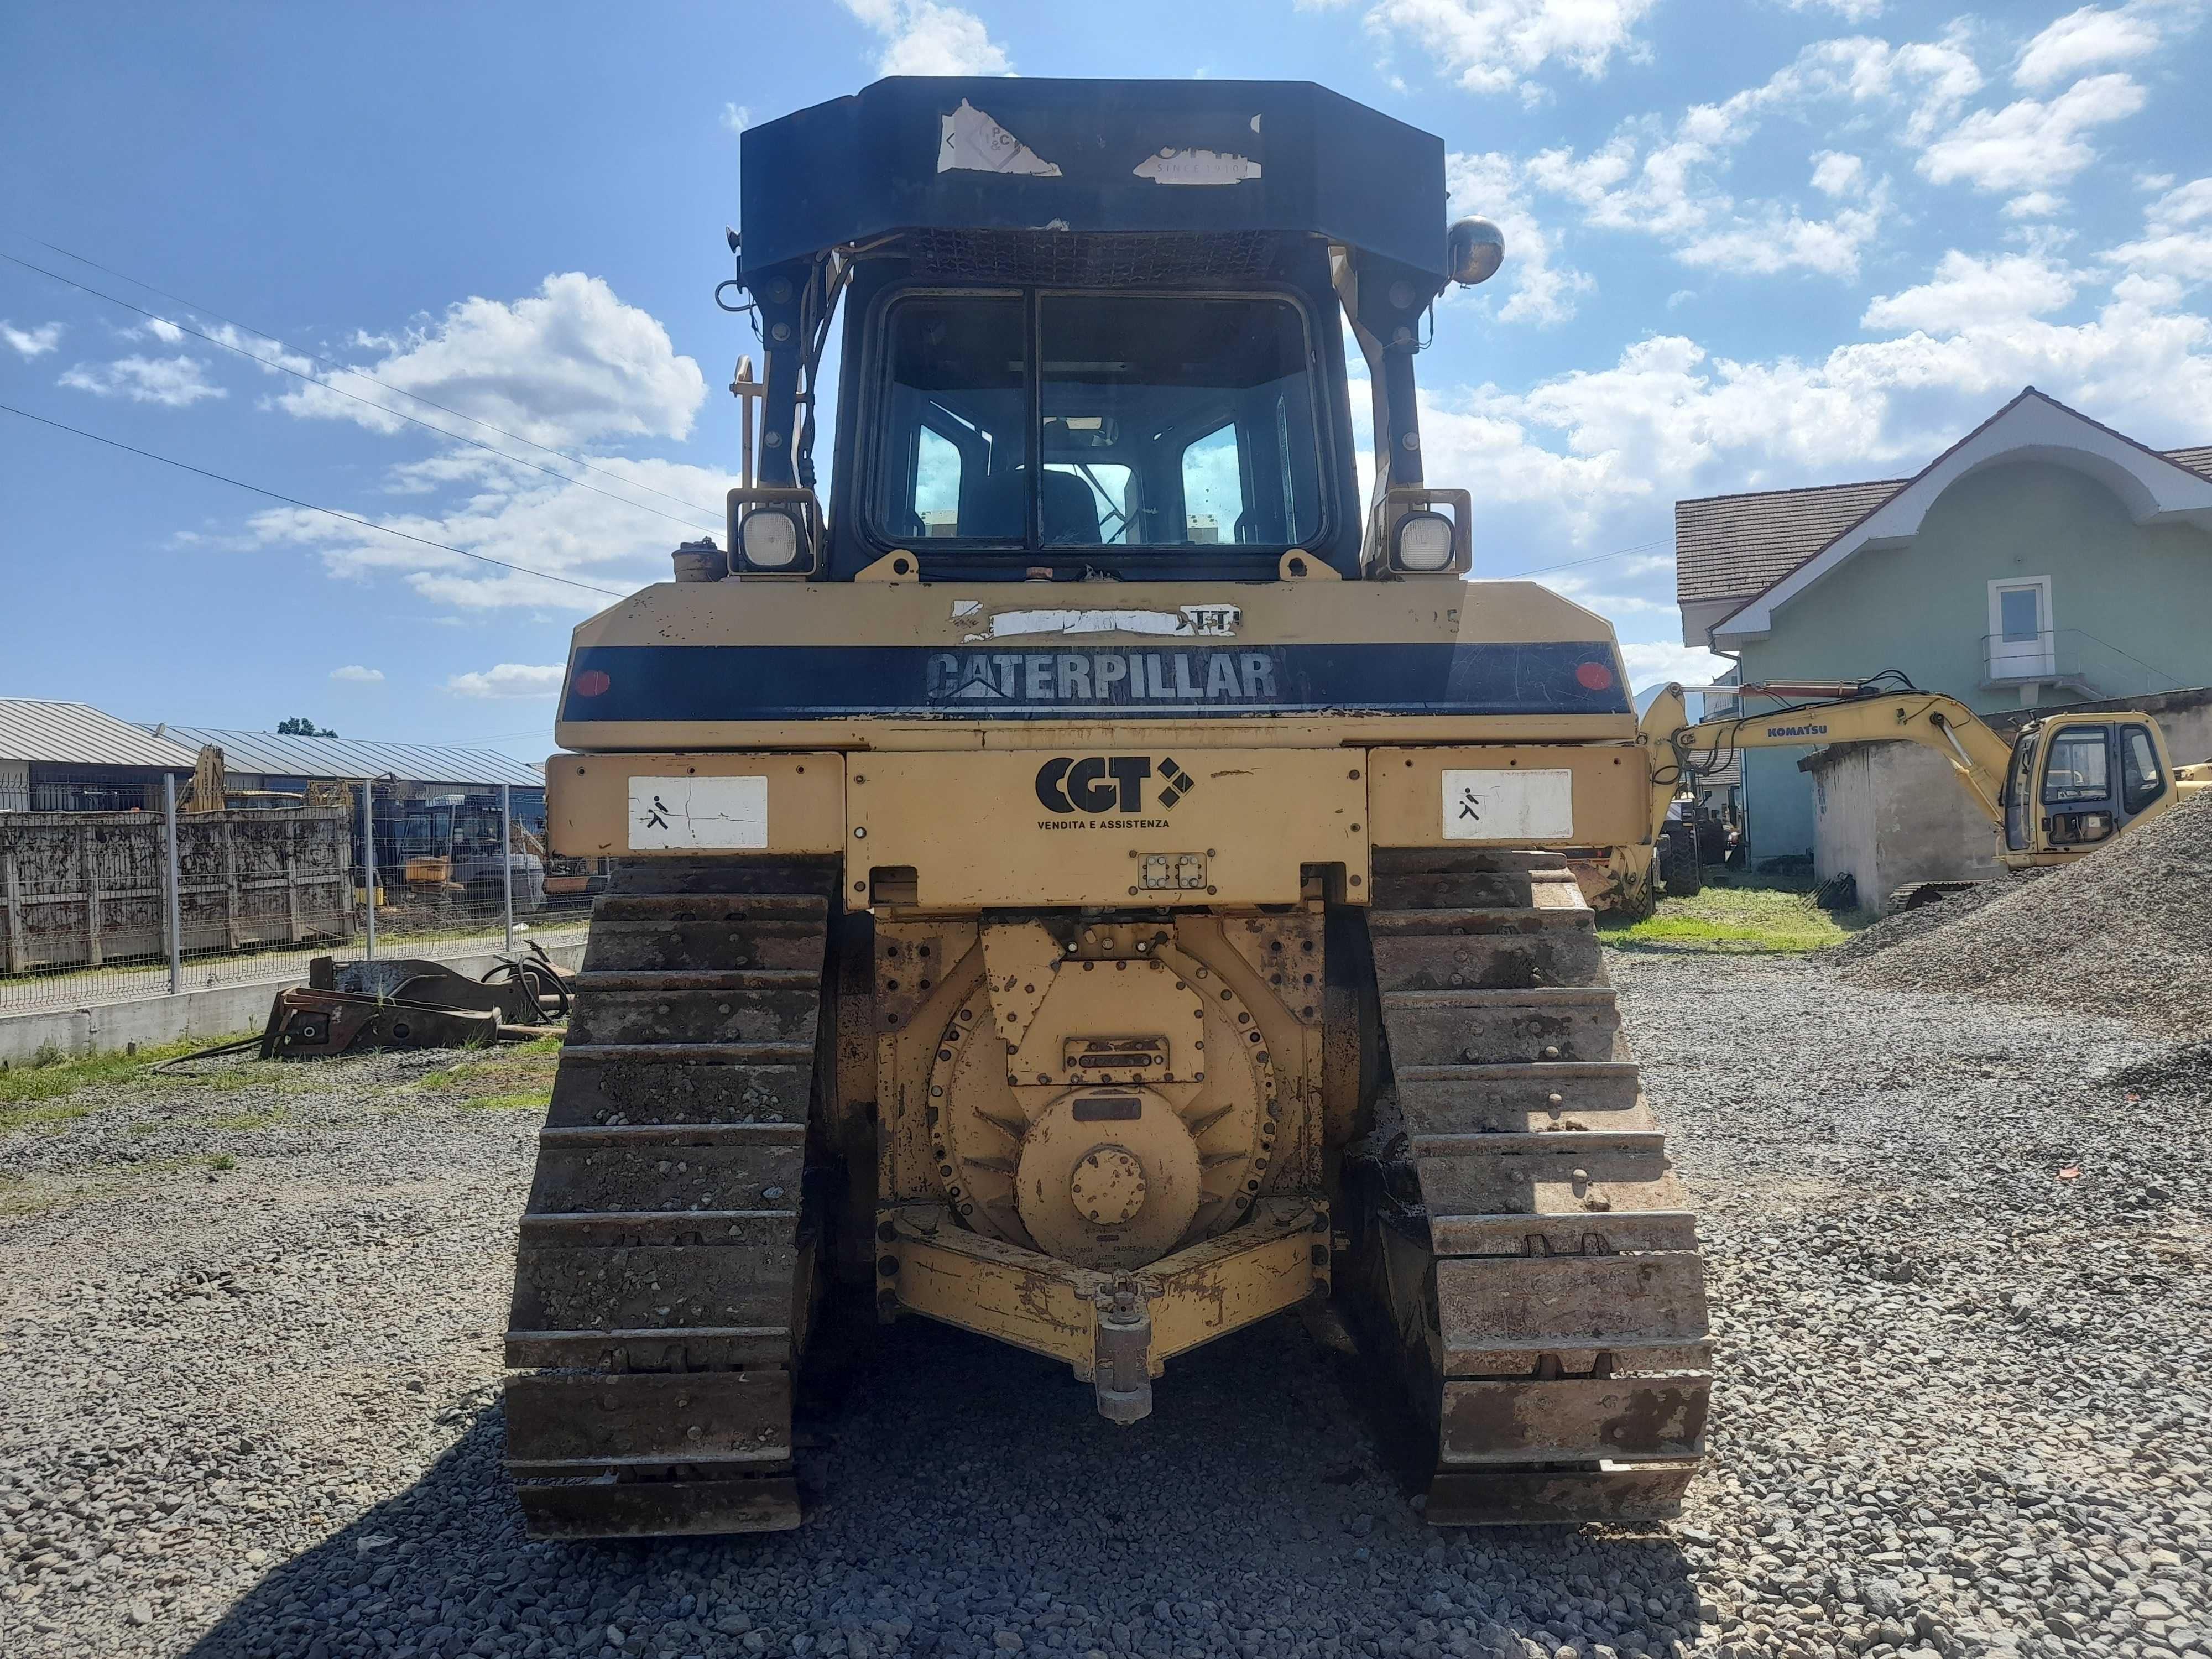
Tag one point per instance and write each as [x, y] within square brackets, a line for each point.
[1537, 804]
[689, 811]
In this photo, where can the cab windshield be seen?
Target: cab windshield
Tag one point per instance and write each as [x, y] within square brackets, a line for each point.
[1055, 420]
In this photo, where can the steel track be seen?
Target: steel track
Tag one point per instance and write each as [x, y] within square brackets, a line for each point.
[667, 1264]
[1526, 1259]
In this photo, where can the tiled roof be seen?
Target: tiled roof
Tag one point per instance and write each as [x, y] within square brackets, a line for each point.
[1733, 547]
[274, 755]
[78, 734]
[1730, 547]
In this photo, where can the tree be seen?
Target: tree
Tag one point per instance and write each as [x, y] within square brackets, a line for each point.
[299, 726]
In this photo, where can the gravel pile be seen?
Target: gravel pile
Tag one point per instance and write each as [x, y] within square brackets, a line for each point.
[1895, 930]
[2128, 932]
[1959, 1284]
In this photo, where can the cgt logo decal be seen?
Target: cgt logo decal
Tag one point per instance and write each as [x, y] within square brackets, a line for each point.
[1106, 783]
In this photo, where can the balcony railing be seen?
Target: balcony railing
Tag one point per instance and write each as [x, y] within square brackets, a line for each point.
[2070, 658]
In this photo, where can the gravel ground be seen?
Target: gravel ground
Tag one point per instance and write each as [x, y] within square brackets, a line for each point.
[1960, 1285]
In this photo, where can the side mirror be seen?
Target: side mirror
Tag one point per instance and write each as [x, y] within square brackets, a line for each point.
[1474, 249]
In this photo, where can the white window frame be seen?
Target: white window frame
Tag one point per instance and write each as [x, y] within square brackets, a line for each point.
[2039, 661]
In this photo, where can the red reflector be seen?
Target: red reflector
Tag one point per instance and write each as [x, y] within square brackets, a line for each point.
[592, 681]
[1591, 677]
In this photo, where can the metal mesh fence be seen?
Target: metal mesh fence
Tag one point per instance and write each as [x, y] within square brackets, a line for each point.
[114, 891]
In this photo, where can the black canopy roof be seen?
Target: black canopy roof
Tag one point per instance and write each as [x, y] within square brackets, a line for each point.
[1215, 157]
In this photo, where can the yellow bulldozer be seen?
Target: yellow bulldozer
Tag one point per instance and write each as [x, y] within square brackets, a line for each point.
[1091, 874]
[2064, 786]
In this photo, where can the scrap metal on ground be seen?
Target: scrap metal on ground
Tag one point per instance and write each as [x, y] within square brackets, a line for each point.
[407, 1003]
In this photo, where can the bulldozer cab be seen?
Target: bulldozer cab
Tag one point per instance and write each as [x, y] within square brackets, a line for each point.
[1091, 331]
[2076, 781]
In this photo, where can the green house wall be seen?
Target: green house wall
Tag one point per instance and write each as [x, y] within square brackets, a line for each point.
[2131, 604]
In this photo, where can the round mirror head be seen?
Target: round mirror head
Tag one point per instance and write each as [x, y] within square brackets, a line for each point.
[1475, 250]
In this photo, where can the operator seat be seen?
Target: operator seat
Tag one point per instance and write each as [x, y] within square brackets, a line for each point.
[1070, 509]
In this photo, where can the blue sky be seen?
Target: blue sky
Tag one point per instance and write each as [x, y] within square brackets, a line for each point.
[1751, 243]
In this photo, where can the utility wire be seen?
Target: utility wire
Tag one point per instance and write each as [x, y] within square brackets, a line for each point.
[1594, 558]
[309, 507]
[385, 409]
[346, 368]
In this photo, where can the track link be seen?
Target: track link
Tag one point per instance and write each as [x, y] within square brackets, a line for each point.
[667, 1264]
[1530, 1264]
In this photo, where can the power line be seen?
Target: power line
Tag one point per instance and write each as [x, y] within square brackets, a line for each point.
[346, 368]
[1594, 558]
[383, 409]
[309, 507]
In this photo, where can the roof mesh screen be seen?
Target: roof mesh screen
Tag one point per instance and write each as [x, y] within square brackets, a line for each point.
[1061, 259]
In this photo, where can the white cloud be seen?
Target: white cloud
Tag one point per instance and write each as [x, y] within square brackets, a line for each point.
[2031, 144]
[2035, 204]
[1662, 662]
[1666, 181]
[1781, 241]
[1497, 45]
[1537, 291]
[736, 118]
[2176, 245]
[509, 514]
[1594, 457]
[31, 342]
[569, 365]
[1835, 173]
[920, 37]
[173, 382]
[2083, 38]
[355, 674]
[1967, 291]
[509, 679]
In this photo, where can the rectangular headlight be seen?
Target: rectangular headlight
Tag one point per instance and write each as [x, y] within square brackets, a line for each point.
[1424, 542]
[768, 540]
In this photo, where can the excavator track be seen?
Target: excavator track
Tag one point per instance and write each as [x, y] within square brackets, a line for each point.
[1530, 1265]
[669, 1256]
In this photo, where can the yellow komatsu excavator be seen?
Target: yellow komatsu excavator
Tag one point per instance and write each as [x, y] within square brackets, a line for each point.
[2064, 787]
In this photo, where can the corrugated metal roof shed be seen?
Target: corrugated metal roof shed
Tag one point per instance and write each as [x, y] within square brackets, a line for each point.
[274, 755]
[78, 734]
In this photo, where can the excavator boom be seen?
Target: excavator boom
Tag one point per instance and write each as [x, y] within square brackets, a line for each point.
[1978, 756]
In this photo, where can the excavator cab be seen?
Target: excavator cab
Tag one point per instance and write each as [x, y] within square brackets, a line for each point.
[2076, 782]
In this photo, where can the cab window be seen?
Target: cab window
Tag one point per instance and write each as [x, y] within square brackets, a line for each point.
[956, 403]
[2019, 794]
[2142, 782]
[2079, 767]
[1150, 423]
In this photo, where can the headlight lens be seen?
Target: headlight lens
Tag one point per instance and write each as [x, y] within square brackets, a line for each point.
[1424, 542]
[768, 538]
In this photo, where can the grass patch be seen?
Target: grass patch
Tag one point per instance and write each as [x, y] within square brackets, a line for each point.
[254, 1119]
[1741, 916]
[527, 1101]
[495, 1070]
[44, 1115]
[51, 1074]
[223, 1161]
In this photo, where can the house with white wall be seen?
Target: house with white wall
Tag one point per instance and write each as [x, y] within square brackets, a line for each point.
[2042, 561]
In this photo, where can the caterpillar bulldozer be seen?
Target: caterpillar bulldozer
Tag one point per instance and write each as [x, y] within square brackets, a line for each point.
[2066, 784]
[1089, 873]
